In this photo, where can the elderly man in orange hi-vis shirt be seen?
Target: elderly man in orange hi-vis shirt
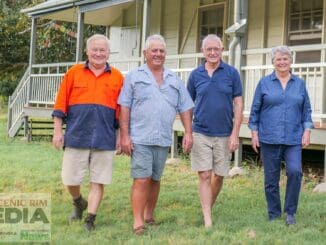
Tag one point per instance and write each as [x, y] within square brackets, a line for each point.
[87, 103]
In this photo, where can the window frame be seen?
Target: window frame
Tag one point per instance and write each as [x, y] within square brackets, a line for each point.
[204, 8]
[302, 33]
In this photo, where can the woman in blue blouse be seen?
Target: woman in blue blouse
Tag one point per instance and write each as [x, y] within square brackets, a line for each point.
[280, 122]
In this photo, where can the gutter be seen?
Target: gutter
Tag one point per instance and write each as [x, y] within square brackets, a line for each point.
[44, 9]
[237, 30]
[236, 39]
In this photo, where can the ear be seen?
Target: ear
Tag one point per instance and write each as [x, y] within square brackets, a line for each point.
[144, 52]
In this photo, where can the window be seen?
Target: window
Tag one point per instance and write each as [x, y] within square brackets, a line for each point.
[305, 27]
[211, 21]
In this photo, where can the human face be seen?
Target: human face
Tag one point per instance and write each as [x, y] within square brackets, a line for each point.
[97, 53]
[282, 62]
[155, 54]
[212, 51]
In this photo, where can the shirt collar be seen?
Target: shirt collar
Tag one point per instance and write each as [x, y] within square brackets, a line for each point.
[145, 68]
[202, 66]
[106, 69]
[274, 77]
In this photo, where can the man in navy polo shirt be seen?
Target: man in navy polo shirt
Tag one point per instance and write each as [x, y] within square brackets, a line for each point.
[216, 89]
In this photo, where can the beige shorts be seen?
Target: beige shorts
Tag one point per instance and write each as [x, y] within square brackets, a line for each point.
[76, 162]
[210, 153]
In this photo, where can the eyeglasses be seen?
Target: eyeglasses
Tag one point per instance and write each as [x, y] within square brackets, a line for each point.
[214, 49]
[99, 50]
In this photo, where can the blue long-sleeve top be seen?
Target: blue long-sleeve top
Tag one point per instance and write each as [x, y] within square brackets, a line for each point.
[280, 115]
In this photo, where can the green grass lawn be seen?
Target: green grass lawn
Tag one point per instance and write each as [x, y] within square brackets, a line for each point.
[239, 216]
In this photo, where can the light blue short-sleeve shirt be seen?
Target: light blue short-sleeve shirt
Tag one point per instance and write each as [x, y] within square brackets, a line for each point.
[153, 108]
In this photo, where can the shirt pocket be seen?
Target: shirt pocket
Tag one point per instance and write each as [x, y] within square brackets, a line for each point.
[226, 87]
[111, 88]
[142, 90]
[172, 94]
[80, 88]
[110, 92]
[80, 84]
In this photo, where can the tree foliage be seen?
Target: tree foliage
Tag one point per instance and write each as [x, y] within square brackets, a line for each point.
[13, 44]
[56, 42]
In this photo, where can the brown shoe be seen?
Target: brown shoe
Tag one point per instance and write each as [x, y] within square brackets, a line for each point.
[139, 231]
[151, 222]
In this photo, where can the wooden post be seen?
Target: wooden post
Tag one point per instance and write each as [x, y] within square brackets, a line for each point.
[26, 133]
[31, 58]
[80, 37]
[9, 123]
[174, 146]
[146, 8]
[237, 170]
[238, 155]
[174, 150]
[32, 43]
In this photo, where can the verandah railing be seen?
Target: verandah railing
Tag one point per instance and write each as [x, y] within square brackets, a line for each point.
[40, 87]
[313, 74]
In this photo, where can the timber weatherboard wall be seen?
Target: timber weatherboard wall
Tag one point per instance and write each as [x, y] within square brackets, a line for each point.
[176, 20]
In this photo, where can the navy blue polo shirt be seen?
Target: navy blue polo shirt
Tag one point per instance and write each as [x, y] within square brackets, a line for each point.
[213, 98]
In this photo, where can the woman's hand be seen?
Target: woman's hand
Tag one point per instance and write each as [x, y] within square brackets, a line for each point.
[306, 138]
[254, 141]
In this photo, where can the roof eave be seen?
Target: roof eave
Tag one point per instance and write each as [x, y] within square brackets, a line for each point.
[38, 10]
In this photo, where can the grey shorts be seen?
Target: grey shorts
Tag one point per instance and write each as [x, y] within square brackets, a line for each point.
[210, 153]
[148, 161]
[76, 162]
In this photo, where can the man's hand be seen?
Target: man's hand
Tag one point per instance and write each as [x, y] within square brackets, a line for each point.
[255, 141]
[306, 138]
[187, 142]
[58, 139]
[233, 143]
[126, 145]
[117, 143]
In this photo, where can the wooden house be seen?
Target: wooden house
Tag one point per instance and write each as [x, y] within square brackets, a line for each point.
[248, 28]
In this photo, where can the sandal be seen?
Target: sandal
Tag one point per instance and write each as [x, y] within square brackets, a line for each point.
[151, 222]
[139, 230]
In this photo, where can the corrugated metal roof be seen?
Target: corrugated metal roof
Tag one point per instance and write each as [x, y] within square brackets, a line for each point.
[55, 5]
[97, 12]
[48, 4]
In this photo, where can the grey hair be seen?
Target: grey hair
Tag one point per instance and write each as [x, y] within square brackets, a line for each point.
[96, 37]
[211, 37]
[155, 37]
[281, 49]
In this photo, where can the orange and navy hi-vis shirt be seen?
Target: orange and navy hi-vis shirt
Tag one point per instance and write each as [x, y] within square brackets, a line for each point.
[88, 105]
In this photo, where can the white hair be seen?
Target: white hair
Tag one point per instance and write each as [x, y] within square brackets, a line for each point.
[211, 37]
[281, 49]
[155, 37]
[96, 37]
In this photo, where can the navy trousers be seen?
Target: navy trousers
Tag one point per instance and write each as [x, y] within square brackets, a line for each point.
[272, 156]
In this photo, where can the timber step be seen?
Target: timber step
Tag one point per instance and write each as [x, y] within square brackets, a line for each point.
[39, 128]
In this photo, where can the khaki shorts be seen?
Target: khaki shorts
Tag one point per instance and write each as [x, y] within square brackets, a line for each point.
[76, 162]
[210, 153]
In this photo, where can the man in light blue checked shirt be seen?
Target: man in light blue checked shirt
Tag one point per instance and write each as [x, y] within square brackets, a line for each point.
[150, 99]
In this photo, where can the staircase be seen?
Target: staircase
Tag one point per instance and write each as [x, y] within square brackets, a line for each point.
[16, 103]
[35, 95]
